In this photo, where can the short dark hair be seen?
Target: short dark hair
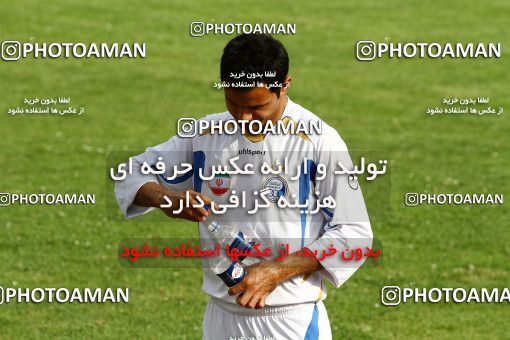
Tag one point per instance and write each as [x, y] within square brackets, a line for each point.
[255, 53]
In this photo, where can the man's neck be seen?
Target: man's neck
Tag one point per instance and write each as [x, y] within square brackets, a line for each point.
[281, 109]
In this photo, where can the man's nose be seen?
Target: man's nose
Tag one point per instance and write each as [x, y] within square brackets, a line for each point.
[245, 114]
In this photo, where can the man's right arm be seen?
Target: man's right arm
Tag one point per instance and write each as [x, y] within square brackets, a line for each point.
[140, 193]
[151, 194]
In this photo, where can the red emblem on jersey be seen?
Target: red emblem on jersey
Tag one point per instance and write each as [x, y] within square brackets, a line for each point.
[220, 184]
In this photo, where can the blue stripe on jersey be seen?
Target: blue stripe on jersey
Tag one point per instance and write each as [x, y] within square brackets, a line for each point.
[304, 191]
[198, 163]
[327, 212]
[312, 333]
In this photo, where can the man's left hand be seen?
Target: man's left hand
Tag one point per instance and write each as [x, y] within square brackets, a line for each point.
[263, 277]
[259, 281]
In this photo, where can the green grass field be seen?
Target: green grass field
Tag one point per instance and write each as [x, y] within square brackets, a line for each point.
[375, 106]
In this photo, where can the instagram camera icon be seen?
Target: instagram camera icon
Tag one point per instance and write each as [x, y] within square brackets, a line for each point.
[365, 50]
[411, 199]
[197, 29]
[11, 50]
[5, 199]
[187, 127]
[390, 295]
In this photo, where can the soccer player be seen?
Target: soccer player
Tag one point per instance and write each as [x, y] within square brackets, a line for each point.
[277, 298]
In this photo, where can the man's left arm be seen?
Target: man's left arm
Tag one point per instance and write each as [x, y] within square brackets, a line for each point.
[263, 277]
[347, 225]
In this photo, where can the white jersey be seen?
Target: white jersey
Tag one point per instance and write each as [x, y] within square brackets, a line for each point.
[347, 222]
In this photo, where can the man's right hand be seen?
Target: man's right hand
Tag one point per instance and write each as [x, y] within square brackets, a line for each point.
[153, 195]
[188, 212]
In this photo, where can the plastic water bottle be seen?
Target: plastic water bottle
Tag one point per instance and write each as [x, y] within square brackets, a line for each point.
[227, 235]
[231, 272]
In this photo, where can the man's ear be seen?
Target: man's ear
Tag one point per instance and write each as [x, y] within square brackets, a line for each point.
[286, 84]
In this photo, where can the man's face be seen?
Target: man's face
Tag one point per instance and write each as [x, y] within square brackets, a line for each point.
[258, 103]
